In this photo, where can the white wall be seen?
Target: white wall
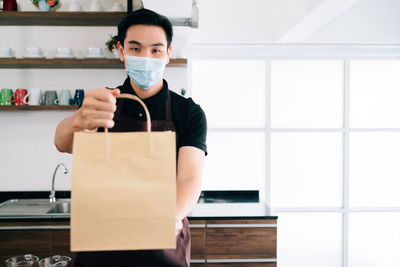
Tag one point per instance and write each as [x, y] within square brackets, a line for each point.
[27, 153]
[368, 21]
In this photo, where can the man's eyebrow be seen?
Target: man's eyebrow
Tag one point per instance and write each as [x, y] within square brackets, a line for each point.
[134, 42]
[158, 44]
[138, 43]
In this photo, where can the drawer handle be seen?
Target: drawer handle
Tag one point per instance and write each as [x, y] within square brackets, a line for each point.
[37, 227]
[197, 261]
[240, 260]
[197, 225]
[249, 225]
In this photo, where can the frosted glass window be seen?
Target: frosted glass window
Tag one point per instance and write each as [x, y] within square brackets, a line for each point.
[306, 169]
[236, 161]
[306, 93]
[374, 239]
[232, 92]
[374, 172]
[375, 93]
[309, 239]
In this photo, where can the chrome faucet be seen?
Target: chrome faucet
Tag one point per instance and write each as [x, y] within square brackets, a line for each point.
[53, 192]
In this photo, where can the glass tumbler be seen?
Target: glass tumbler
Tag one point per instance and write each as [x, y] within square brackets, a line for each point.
[55, 261]
[27, 260]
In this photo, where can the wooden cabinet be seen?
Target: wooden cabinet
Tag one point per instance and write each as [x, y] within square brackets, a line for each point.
[247, 243]
[18, 238]
[241, 242]
[61, 239]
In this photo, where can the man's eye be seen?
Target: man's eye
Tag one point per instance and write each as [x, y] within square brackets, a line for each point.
[136, 49]
[156, 50]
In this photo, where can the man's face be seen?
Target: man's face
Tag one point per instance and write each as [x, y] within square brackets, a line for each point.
[145, 41]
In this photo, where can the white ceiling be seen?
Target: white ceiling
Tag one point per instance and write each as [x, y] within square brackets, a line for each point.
[170, 8]
[288, 21]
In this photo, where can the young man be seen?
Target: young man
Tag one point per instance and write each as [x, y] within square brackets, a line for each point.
[145, 47]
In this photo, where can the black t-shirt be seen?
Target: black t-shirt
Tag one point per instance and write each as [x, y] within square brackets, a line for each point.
[188, 117]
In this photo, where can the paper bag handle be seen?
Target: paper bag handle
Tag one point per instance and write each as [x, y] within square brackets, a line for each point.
[133, 97]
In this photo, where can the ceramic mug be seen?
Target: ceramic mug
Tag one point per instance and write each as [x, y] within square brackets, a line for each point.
[75, 6]
[49, 98]
[79, 96]
[64, 52]
[95, 52]
[65, 97]
[18, 97]
[5, 94]
[95, 6]
[33, 51]
[27, 260]
[9, 5]
[6, 51]
[117, 7]
[33, 97]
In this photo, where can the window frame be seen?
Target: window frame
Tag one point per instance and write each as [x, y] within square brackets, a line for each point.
[269, 52]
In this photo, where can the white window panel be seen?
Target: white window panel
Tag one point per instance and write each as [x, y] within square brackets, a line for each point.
[374, 239]
[306, 93]
[306, 169]
[232, 92]
[374, 169]
[309, 239]
[236, 161]
[374, 93]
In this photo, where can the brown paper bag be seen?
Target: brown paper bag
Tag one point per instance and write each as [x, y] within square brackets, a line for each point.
[123, 193]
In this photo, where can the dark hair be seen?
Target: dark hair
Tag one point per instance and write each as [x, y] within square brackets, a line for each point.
[145, 17]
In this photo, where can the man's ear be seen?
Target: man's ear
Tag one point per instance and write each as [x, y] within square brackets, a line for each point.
[121, 53]
[169, 53]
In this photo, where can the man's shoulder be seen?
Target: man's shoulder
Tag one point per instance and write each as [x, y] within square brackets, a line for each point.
[181, 102]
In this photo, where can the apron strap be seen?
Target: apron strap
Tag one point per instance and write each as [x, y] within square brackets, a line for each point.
[168, 108]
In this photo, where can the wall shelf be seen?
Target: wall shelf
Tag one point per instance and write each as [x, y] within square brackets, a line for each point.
[61, 18]
[51, 107]
[71, 63]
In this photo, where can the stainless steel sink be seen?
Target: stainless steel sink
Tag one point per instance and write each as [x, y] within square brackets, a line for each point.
[35, 207]
[61, 207]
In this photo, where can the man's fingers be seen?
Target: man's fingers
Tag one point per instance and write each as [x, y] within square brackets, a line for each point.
[102, 94]
[99, 123]
[116, 92]
[93, 103]
[97, 114]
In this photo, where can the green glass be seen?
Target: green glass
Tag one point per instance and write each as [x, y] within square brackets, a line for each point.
[5, 97]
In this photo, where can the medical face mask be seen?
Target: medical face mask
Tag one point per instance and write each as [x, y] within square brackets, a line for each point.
[145, 71]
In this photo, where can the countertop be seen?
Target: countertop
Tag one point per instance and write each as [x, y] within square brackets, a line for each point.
[214, 205]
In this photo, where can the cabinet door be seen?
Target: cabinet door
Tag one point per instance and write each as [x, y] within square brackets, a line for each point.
[249, 241]
[198, 240]
[61, 240]
[21, 238]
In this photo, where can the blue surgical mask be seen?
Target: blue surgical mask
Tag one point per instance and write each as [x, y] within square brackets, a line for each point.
[145, 71]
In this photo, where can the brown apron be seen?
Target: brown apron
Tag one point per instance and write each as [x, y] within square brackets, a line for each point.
[178, 257]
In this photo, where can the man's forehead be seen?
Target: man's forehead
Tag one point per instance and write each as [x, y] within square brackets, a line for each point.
[146, 34]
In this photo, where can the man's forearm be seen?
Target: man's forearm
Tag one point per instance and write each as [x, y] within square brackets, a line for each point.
[188, 185]
[64, 136]
[188, 192]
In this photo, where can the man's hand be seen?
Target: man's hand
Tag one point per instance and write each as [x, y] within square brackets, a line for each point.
[178, 225]
[97, 110]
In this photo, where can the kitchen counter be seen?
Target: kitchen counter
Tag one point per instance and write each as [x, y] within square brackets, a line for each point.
[200, 212]
[211, 205]
[225, 229]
